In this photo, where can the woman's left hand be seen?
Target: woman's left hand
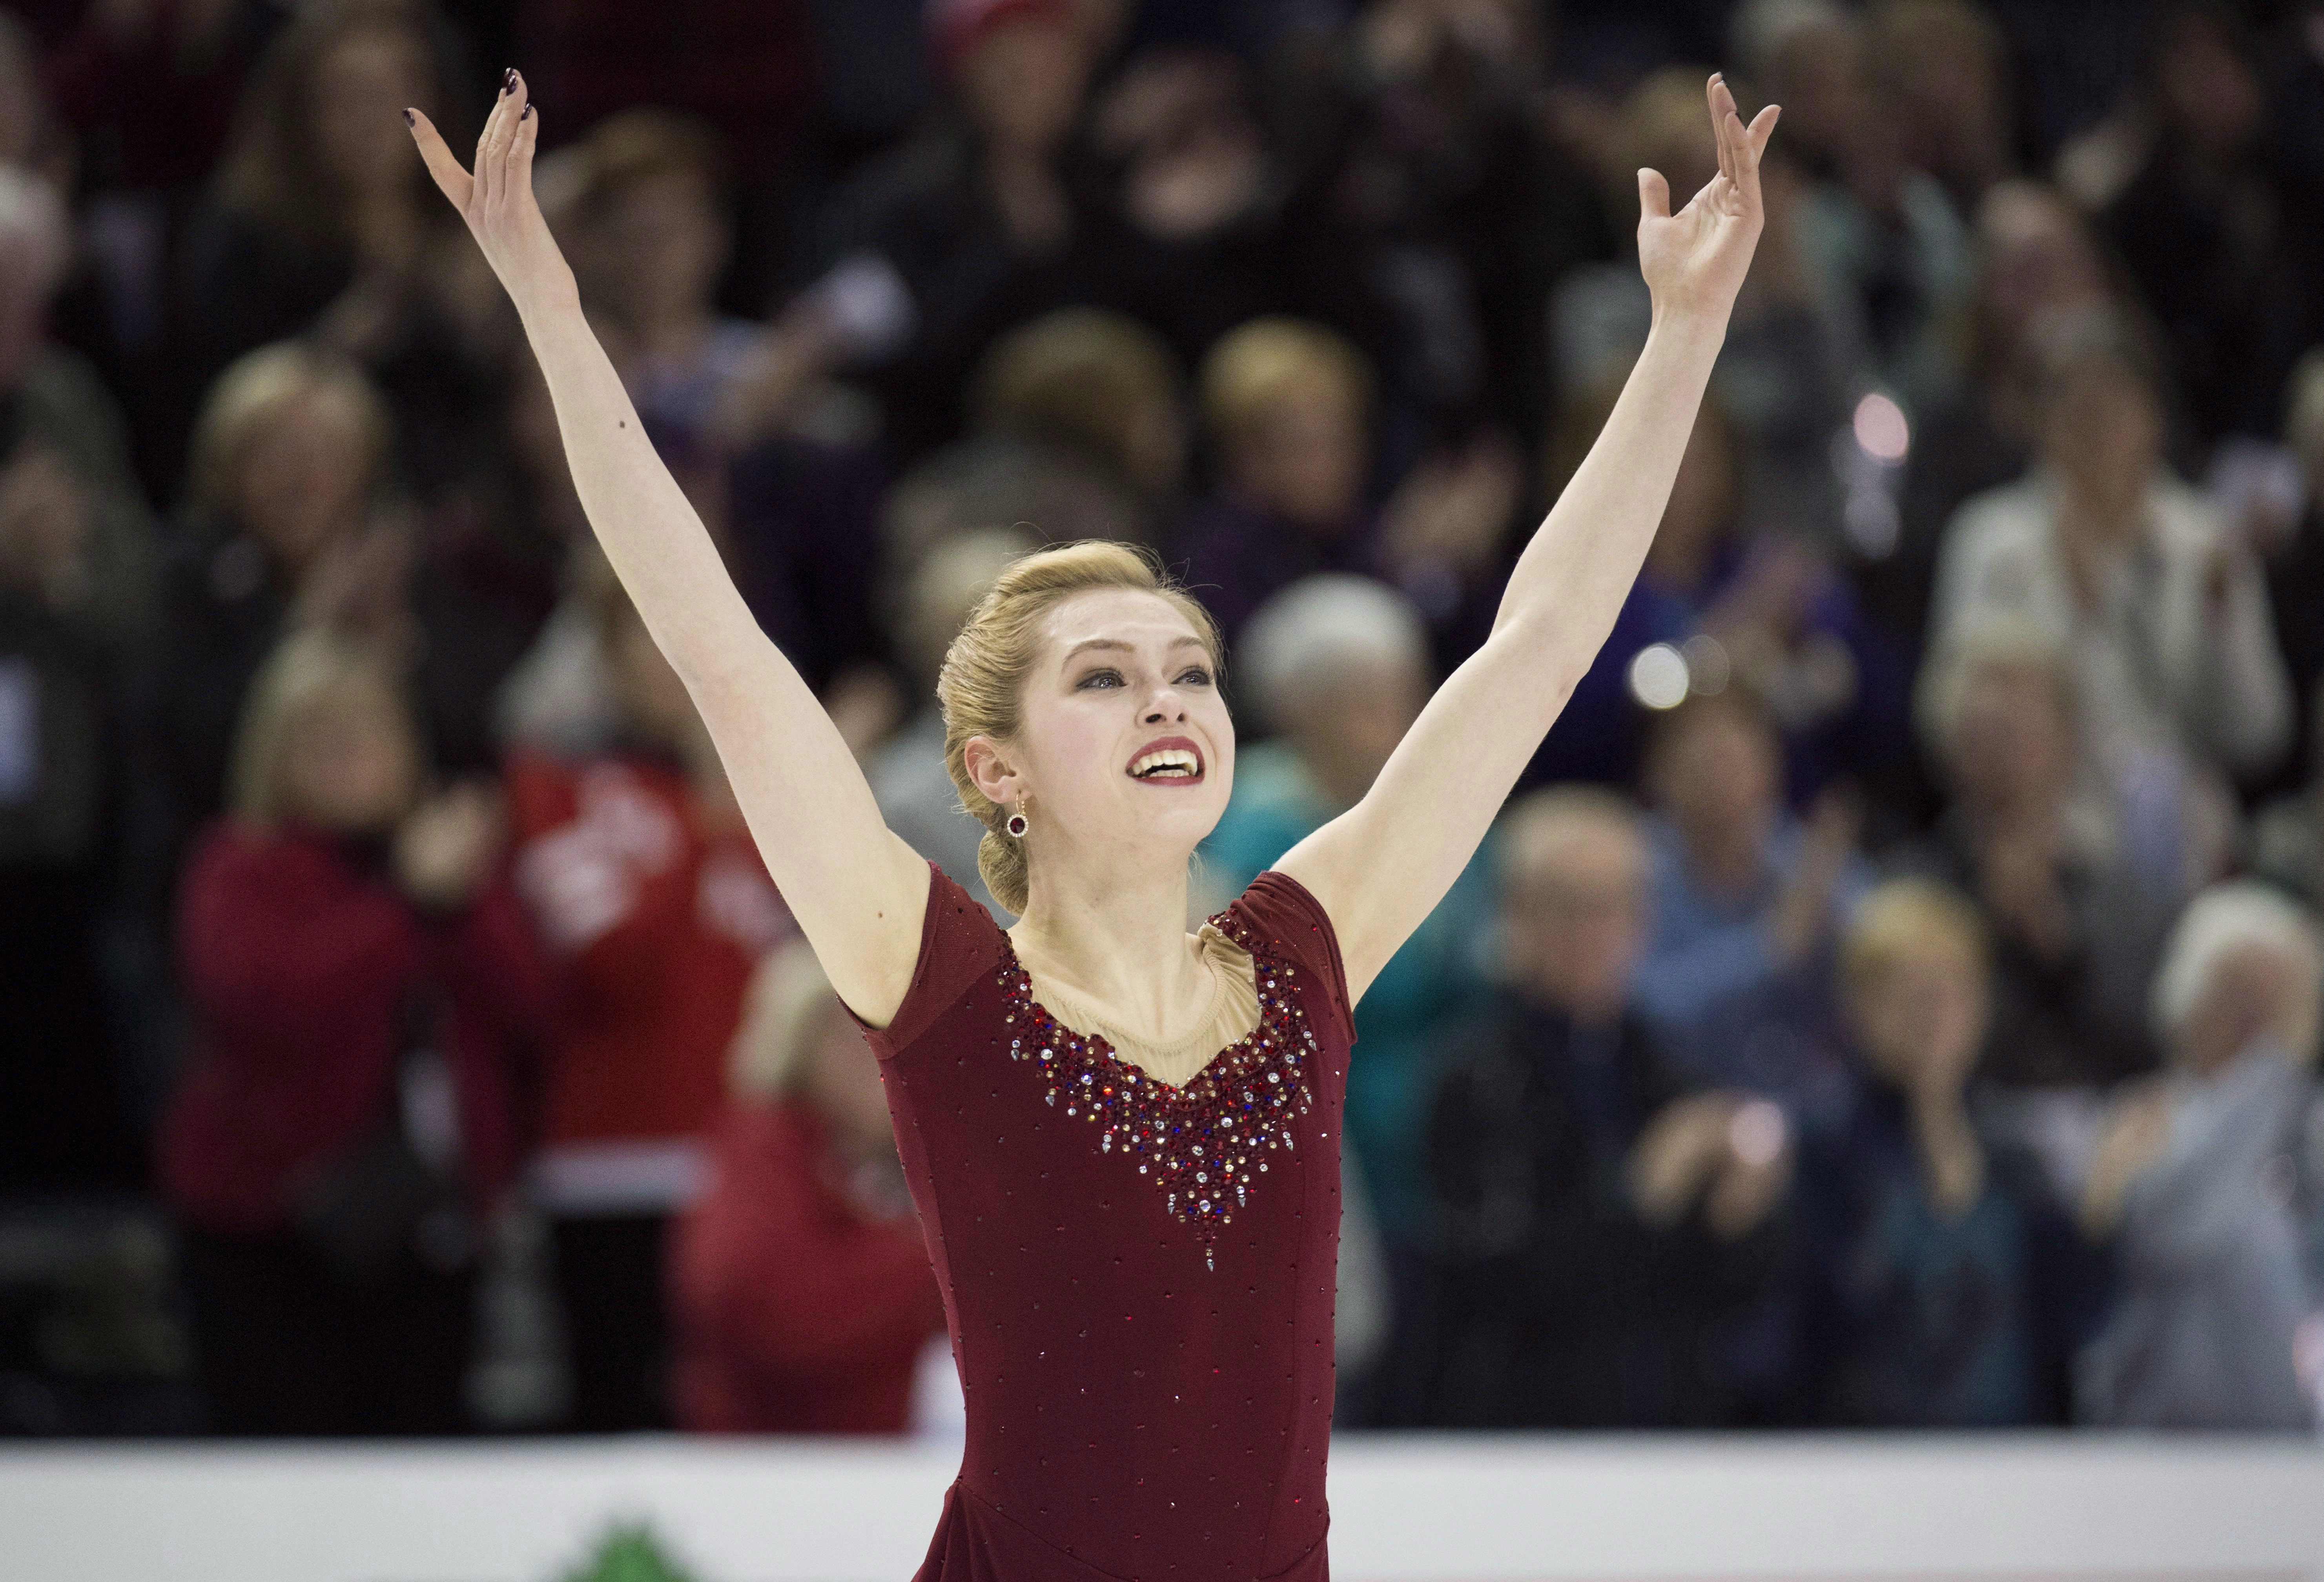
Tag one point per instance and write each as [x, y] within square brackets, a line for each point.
[1694, 261]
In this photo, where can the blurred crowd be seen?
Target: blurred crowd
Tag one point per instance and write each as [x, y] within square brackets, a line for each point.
[1892, 999]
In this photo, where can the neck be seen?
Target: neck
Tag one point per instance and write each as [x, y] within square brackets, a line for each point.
[1115, 934]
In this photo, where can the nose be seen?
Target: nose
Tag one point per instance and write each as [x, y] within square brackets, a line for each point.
[1167, 705]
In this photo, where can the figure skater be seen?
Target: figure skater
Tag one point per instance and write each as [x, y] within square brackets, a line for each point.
[1122, 1138]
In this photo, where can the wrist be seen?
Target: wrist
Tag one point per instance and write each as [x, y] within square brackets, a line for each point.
[556, 295]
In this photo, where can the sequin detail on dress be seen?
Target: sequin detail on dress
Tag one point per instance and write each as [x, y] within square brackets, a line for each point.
[1202, 1144]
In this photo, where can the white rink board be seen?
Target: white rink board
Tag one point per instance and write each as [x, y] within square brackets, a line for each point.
[1406, 1509]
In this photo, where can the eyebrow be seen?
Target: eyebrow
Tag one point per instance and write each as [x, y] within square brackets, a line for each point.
[1116, 644]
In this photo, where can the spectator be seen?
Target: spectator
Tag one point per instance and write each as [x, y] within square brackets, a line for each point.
[915, 792]
[643, 882]
[2290, 532]
[2035, 257]
[983, 219]
[1883, 235]
[801, 1290]
[2162, 615]
[2212, 1182]
[1938, 1280]
[322, 223]
[1746, 903]
[362, 984]
[1288, 407]
[2201, 222]
[286, 530]
[651, 241]
[1336, 666]
[1775, 619]
[2076, 896]
[1099, 386]
[1792, 365]
[1599, 1227]
[76, 616]
[1944, 65]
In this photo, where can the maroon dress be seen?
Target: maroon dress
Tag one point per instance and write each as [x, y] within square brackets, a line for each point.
[1137, 1277]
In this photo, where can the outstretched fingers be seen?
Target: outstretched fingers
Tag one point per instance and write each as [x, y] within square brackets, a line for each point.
[1654, 195]
[454, 182]
[500, 135]
[1722, 111]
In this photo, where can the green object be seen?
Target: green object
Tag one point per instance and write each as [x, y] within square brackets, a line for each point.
[629, 1553]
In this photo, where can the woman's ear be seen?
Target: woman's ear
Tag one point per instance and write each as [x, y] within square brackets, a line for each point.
[990, 773]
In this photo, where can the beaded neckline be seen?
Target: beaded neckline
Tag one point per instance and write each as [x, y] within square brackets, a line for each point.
[1203, 1142]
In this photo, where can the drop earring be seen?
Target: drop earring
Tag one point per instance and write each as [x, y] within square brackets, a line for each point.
[1018, 823]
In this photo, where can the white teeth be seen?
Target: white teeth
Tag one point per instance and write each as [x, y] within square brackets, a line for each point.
[1169, 761]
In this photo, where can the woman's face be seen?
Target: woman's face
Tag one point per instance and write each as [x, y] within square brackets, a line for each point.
[666, 244]
[1120, 676]
[1921, 1019]
[351, 766]
[304, 475]
[362, 85]
[1719, 780]
[1023, 83]
[1306, 457]
[2104, 431]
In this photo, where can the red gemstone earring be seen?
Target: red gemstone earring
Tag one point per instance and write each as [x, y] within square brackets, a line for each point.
[1018, 823]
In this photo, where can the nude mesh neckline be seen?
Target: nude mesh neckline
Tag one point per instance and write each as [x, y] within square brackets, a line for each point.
[1232, 1015]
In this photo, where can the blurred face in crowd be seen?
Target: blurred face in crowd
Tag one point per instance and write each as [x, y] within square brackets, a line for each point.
[664, 244]
[304, 477]
[1938, 68]
[2209, 94]
[1715, 776]
[1920, 1016]
[842, 1079]
[1346, 728]
[1305, 456]
[2035, 256]
[361, 87]
[652, 696]
[1116, 670]
[1574, 912]
[2012, 747]
[351, 763]
[2255, 990]
[1820, 78]
[2103, 432]
[1023, 80]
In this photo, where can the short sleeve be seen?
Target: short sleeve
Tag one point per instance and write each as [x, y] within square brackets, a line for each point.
[1280, 913]
[959, 942]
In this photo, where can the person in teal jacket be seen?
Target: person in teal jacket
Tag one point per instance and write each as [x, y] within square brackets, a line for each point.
[1336, 666]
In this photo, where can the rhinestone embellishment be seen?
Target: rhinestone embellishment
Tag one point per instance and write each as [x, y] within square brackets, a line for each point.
[1202, 1144]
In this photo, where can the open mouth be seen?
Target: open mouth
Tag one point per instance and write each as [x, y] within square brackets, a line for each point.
[1172, 762]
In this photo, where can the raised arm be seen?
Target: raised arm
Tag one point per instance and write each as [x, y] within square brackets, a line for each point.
[858, 891]
[1381, 868]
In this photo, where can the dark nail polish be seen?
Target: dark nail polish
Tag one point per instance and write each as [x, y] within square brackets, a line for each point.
[409, 119]
[528, 114]
[508, 82]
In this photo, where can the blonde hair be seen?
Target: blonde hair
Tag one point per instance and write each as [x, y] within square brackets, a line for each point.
[1901, 917]
[306, 669]
[1254, 367]
[250, 395]
[788, 999]
[982, 686]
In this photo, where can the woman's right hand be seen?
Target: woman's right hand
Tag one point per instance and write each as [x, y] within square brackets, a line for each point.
[497, 201]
